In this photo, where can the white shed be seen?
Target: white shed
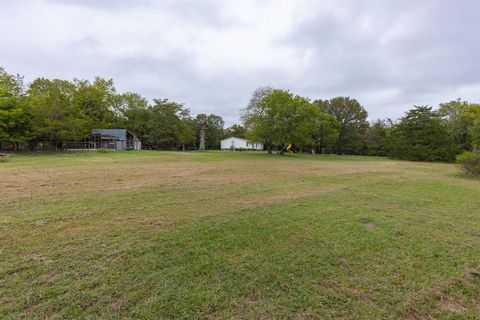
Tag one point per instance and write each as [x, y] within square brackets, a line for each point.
[234, 143]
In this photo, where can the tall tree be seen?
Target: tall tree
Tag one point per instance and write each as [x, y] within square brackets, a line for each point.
[203, 134]
[352, 117]
[327, 134]
[169, 125]
[281, 118]
[257, 96]
[457, 124]
[97, 101]
[235, 130]
[53, 115]
[377, 137]
[13, 119]
[213, 132]
[13, 84]
[135, 115]
[471, 116]
[422, 135]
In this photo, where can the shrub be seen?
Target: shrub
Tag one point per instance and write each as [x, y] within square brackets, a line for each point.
[470, 162]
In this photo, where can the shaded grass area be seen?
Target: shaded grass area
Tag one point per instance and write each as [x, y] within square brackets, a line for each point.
[239, 235]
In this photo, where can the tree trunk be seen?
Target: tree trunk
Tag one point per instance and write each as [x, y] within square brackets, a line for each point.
[202, 135]
[269, 148]
[321, 139]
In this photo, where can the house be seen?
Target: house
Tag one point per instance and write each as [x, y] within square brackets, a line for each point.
[116, 139]
[235, 143]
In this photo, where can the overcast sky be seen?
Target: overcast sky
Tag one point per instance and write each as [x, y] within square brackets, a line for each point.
[211, 55]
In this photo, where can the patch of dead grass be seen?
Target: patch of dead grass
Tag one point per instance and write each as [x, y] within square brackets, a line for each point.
[104, 177]
[441, 293]
[450, 305]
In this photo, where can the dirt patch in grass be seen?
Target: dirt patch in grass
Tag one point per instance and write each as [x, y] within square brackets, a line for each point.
[88, 304]
[370, 225]
[449, 305]
[442, 297]
[306, 316]
[116, 305]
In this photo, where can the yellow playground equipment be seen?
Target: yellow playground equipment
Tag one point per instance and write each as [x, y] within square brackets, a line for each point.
[287, 148]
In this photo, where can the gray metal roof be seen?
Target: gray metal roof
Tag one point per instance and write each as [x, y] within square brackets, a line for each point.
[121, 134]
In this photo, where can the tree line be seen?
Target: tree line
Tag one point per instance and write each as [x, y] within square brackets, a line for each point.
[51, 112]
[339, 125]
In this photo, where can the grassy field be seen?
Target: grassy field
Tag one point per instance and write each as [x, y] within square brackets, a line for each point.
[221, 235]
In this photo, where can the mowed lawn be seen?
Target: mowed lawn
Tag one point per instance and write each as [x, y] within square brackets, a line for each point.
[223, 235]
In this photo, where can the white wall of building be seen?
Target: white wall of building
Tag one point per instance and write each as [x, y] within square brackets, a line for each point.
[255, 146]
[239, 143]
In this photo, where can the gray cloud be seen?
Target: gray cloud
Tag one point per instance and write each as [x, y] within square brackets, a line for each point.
[212, 54]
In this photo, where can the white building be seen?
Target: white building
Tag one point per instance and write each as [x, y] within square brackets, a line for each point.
[234, 143]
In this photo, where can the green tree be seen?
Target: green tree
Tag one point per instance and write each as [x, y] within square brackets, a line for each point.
[135, 115]
[327, 134]
[471, 116]
[281, 118]
[169, 125]
[98, 101]
[252, 120]
[214, 132]
[235, 130]
[462, 119]
[13, 120]
[53, 115]
[457, 124]
[377, 138]
[13, 84]
[422, 135]
[353, 122]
